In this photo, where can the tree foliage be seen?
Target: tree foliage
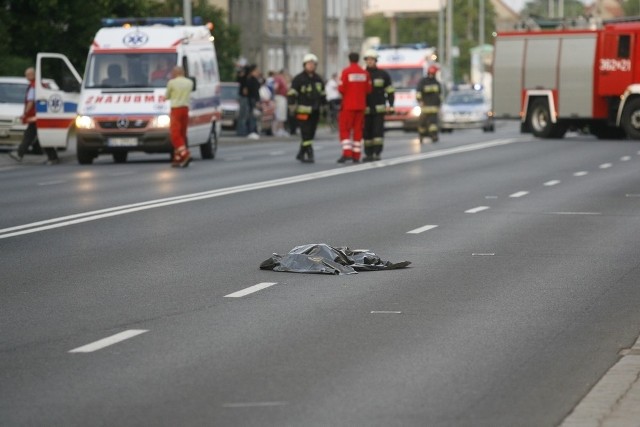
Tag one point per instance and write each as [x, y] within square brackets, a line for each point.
[227, 37]
[68, 26]
[540, 8]
[415, 29]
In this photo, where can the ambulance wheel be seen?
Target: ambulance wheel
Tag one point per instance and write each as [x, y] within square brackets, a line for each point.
[540, 121]
[209, 148]
[631, 119]
[120, 157]
[85, 157]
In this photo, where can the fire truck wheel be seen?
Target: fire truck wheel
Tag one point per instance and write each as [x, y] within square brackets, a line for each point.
[540, 121]
[631, 119]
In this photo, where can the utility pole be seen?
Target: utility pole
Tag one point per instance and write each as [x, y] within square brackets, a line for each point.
[441, 56]
[450, 73]
[186, 11]
[481, 23]
[285, 35]
[343, 43]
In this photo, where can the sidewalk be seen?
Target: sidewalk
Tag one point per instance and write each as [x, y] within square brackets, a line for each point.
[615, 399]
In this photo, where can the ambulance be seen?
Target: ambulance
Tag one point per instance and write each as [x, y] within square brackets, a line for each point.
[119, 106]
[406, 64]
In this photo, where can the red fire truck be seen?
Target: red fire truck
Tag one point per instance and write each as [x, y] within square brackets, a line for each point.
[555, 80]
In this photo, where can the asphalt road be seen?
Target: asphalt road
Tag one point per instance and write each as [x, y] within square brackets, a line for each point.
[522, 291]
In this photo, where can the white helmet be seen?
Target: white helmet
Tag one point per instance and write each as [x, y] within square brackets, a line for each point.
[310, 57]
[371, 53]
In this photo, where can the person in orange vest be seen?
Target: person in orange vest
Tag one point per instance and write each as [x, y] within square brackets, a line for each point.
[354, 85]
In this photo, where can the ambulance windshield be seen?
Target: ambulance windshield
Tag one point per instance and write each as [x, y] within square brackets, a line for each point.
[129, 70]
[405, 78]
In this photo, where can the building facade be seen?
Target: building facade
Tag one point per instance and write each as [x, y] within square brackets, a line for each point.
[276, 34]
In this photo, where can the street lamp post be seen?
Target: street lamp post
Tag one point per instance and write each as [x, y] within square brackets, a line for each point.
[186, 11]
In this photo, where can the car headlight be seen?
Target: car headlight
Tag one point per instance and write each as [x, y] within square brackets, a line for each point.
[161, 121]
[415, 111]
[85, 122]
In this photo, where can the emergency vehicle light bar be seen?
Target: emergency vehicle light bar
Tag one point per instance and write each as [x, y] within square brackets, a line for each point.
[415, 46]
[168, 21]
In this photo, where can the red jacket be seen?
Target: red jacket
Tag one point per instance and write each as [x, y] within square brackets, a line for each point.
[355, 84]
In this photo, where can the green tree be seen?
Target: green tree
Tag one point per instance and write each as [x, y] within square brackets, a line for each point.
[540, 8]
[68, 26]
[424, 28]
[32, 26]
[631, 7]
[227, 37]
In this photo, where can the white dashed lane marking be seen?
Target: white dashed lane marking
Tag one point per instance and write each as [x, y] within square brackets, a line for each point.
[625, 158]
[422, 229]
[250, 290]
[478, 209]
[106, 342]
[551, 183]
[519, 194]
[51, 183]
[605, 166]
[575, 213]
[580, 173]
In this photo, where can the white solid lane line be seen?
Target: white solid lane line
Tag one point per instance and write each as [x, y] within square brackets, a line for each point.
[478, 209]
[551, 183]
[422, 229]
[580, 173]
[250, 290]
[519, 194]
[106, 342]
[83, 217]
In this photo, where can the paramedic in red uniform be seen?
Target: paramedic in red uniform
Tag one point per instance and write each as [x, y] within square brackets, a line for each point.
[354, 85]
[178, 93]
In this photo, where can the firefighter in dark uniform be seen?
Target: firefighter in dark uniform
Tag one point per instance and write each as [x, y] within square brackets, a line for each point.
[379, 102]
[306, 97]
[429, 95]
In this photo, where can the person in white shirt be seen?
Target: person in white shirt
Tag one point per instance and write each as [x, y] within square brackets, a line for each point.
[334, 99]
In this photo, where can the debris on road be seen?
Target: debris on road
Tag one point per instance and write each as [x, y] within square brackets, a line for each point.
[320, 258]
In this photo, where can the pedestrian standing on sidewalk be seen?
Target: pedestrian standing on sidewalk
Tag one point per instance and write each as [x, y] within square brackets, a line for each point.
[280, 90]
[333, 98]
[253, 84]
[29, 118]
[178, 94]
[306, 96]
[354, 85]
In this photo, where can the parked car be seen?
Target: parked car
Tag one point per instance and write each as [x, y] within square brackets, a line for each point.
[12, 93]
[230, 107]
[466, 109]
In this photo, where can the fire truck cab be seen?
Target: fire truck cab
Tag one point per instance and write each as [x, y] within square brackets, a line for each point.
[119, 106]
[570, 79]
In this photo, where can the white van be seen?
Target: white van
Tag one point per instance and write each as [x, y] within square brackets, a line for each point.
[120, 104]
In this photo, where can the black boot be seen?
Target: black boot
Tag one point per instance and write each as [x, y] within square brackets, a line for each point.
[300, 155]
[309, 155]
